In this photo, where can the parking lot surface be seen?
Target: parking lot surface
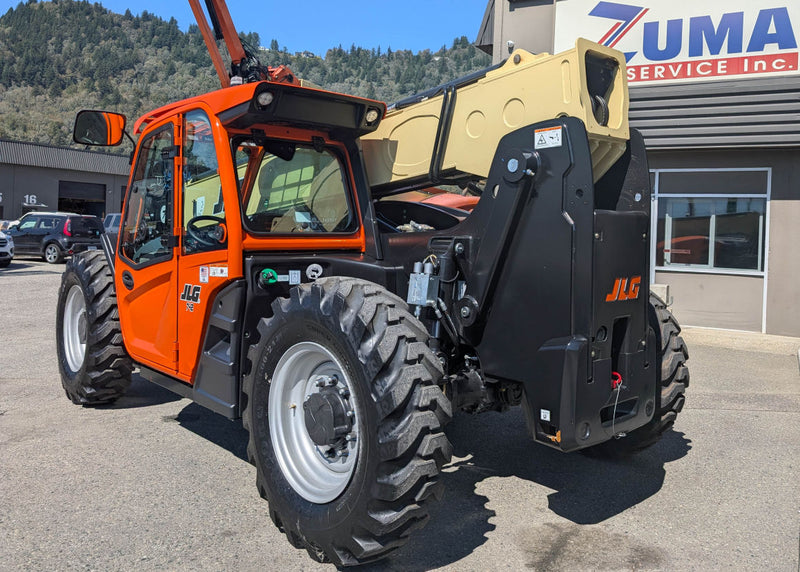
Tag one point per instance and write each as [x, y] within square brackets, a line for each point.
[156, 482]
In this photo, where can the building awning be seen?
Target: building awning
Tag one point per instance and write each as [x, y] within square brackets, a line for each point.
[762, 112]
[52, 157]
[485, 39]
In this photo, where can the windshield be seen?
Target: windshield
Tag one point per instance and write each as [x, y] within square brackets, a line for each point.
[288, 188]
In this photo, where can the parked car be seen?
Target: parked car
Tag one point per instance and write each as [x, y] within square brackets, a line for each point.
[111, 225]
[6, 249]
[56, 235]
[111, 222]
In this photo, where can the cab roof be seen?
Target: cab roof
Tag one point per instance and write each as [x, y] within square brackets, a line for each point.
[298, 106]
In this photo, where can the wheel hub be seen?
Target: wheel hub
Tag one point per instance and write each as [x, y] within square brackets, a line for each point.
[75, 328]
[317, 445]
[82, 327]
[327, 416]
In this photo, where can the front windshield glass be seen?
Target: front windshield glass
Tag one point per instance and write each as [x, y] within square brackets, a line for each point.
[288, 188]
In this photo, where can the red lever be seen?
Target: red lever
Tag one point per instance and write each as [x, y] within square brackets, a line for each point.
[616, 380]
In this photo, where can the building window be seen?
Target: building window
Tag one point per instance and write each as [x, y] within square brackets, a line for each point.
[711, 221]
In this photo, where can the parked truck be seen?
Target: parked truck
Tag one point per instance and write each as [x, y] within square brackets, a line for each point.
[288, 256]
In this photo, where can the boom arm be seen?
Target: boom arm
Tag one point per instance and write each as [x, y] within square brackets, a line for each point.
[210, 41]
[243, 64]
[449, 134]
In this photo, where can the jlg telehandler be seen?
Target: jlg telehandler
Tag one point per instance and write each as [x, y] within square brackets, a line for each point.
[287, 256]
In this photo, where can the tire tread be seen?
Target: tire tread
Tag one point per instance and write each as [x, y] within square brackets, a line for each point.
[108, 368]
[412, 410]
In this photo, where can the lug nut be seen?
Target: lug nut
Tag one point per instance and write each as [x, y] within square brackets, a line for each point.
[465, 312]
[327, 380]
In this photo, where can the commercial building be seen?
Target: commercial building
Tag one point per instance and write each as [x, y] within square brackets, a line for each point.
[715, 90]
[43, 177]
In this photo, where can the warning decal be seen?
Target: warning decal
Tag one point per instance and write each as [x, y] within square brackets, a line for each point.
[546, 138]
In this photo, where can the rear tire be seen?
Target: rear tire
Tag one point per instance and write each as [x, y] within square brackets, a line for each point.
[53, 253]
[94, 366]
[365, 504]
[671, 390]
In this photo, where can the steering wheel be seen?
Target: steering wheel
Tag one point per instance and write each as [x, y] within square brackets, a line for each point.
[211, 238]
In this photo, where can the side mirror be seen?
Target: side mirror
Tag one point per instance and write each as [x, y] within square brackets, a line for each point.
[12, 227]
[103, 128]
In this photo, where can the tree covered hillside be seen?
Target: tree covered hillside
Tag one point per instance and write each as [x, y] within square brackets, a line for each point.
[65, 55]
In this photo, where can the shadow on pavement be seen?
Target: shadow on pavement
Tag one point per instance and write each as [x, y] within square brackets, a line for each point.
[142, 393]
[223, 432]
[20, 268]
[587, 490]
[230, 435]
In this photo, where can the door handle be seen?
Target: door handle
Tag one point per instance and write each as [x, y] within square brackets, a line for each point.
[127, 280]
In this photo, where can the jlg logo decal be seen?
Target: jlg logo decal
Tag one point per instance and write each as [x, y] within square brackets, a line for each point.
[622, 291]
[190, 295]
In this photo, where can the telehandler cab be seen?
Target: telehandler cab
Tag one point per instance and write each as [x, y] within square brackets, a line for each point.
[286, 257]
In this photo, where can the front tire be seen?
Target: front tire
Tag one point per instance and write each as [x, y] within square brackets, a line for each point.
[345, 420]
[94, 366]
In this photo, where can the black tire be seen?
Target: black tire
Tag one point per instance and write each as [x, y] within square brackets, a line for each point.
[103, 372]
[671, 391]
[399, 411]
[5, 264]
[52, 253]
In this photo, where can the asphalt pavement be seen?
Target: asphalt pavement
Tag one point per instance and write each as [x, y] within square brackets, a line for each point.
[155, 482]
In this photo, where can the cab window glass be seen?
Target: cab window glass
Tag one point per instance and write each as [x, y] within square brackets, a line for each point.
[203, 209]
[147, 228]
[295, 189]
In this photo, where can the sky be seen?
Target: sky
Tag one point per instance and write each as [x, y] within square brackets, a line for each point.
[317, 25]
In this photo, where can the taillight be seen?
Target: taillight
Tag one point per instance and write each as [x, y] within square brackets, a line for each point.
[67, 227]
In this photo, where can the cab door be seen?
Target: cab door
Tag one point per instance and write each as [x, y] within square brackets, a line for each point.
[204, 267]
[146, 276]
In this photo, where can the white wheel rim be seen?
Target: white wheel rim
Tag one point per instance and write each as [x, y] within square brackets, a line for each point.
[75, 328]
[314, 472]
[51, 253]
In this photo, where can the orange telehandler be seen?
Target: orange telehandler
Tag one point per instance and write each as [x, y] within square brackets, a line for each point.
[283, 259]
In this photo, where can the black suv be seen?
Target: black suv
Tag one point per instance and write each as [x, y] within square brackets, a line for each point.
[56, 235]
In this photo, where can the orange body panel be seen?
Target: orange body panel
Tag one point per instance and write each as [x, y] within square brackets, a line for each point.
[148, 311]
[160, 329]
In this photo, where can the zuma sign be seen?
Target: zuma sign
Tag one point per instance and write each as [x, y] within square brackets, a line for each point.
[687, 40]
